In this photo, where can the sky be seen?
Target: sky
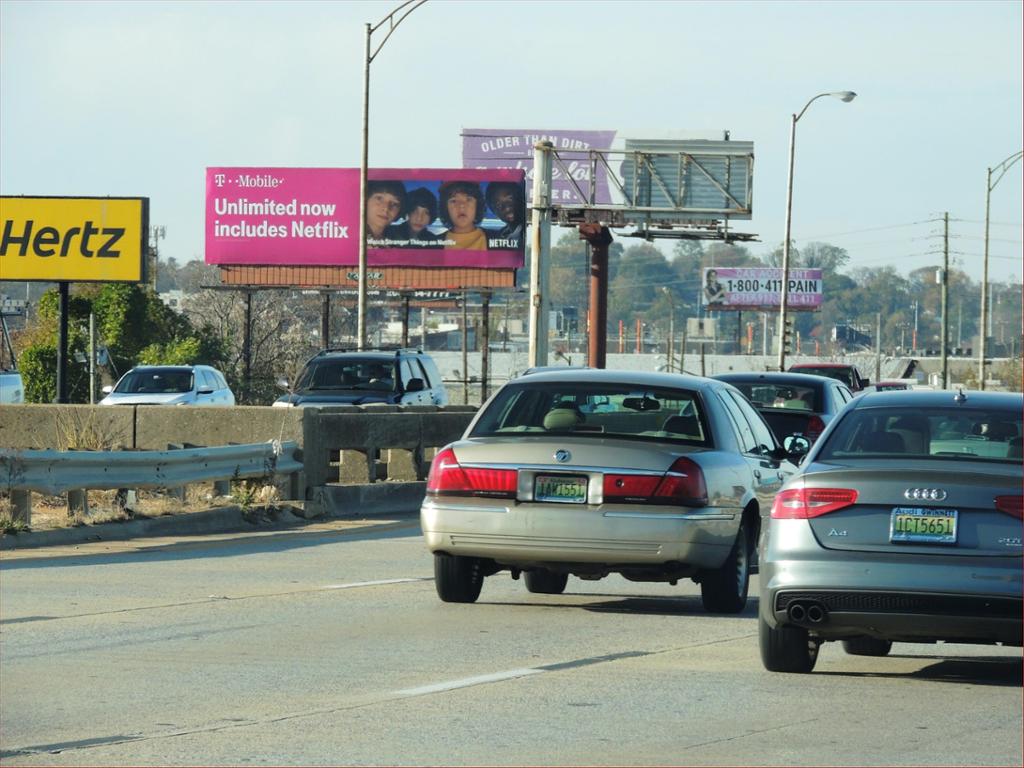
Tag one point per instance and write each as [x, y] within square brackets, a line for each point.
[138, 98]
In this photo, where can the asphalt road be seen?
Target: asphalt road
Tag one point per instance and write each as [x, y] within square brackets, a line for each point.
[329, 646]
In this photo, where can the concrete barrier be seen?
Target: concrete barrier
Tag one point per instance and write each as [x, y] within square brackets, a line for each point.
[67, 427]
[338, 446]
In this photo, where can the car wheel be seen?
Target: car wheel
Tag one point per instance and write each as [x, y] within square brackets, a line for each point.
[867, 646]
[457, 579]
[786, 649]
[725, 590]
[545, 582]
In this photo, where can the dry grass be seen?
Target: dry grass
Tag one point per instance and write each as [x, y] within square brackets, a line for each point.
[49, 512]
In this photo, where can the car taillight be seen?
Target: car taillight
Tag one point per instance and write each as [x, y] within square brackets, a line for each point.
[1011, 505]
[447, 476]
[815, 426]
[804, 503]
[682, 484]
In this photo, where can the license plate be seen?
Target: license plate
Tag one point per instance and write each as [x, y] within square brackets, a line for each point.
[560, 488]
[928, 526]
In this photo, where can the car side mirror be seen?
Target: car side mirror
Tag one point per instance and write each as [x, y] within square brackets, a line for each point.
[415, 385]
[107, 389]
[796, 446]
[283, 384]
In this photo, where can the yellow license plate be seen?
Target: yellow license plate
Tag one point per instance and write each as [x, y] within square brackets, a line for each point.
[929, 526]
[560, 488]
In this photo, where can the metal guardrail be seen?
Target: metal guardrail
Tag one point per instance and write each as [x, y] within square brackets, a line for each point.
[54, 472]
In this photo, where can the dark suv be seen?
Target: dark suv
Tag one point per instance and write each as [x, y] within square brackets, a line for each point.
[347, 377]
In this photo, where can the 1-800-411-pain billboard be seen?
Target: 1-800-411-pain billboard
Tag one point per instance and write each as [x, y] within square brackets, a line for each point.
[760, 288]
[414, 217]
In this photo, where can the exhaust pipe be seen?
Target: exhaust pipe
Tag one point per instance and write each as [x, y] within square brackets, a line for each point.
[807, 614]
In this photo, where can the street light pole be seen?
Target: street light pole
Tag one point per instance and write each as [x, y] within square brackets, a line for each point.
[845, 96]
[1002, 168]
[392, 20]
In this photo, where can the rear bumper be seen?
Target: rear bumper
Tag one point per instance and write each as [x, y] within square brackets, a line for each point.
[518, 535]
[896, 597]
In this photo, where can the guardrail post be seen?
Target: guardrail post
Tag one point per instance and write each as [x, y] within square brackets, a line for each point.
[21, 506]
[78, 503]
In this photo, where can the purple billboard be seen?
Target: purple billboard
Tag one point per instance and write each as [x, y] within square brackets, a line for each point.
[414, 217]
[513, 148]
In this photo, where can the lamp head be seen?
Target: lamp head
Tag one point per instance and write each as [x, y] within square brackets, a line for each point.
[846, 96]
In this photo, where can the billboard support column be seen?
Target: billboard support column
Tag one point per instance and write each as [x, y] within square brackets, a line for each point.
[599, 239]
[62, 344]
[325, 320]
[485, 331]
[405, 320]
[247, 348]
[539, 252]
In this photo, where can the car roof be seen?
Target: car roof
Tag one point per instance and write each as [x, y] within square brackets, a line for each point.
[617, 376]
[822, 365]
[936, 398]
[167, 367]
[805, 379]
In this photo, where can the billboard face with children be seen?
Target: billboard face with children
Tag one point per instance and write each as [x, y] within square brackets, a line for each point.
[414, 217]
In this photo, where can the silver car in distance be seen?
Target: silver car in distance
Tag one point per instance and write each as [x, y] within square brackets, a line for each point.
[585, 472]
[903, 525]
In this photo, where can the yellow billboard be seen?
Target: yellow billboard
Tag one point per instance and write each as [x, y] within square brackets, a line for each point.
[74, 239]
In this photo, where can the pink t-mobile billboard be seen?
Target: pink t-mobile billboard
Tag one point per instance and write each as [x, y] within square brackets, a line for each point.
[414, 217]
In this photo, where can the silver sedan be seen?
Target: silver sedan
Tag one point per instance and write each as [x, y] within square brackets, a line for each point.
[657, 477]
[903, 525]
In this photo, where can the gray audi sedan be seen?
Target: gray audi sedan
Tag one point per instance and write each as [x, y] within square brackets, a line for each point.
[904, 524]
[585, 472]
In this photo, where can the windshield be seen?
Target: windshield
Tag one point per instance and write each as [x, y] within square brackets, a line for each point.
[347, 374]
[153, 382]
[941, 433]
[765, 394]
[601, 410]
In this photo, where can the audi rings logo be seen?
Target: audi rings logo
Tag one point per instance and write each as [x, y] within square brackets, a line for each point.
[925, 494]
[562, 456]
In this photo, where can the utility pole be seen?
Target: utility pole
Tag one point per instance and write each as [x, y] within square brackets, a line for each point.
[878, 347]
[945, 296]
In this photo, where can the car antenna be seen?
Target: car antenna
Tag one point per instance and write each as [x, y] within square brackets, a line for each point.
[960, 397]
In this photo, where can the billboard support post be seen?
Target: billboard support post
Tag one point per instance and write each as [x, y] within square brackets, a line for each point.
[599, 239]
[845, 96]
[540, 245]
[485, 345]
[62, 343]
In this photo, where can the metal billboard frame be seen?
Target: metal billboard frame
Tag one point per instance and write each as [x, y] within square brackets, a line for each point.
[655, 201]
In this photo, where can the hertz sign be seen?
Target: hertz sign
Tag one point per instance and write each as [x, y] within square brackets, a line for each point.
[74, 239]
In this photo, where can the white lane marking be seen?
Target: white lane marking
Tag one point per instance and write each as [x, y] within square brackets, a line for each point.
[371, 583]
[466, 682]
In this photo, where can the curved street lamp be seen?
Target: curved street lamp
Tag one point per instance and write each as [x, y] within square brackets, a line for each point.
[392, 20]
[1002, 168]
[845, 96]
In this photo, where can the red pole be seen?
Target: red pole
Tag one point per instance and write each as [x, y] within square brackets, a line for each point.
[622, 337]
[639, 330]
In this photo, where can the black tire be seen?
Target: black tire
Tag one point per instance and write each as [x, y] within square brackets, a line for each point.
[867, 646]
[457, 579]
[786, 649]
[545, 582]
[725, 590]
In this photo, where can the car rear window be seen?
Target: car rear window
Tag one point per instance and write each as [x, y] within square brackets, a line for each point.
[940, 433]
[765, 394]
[597, 410]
